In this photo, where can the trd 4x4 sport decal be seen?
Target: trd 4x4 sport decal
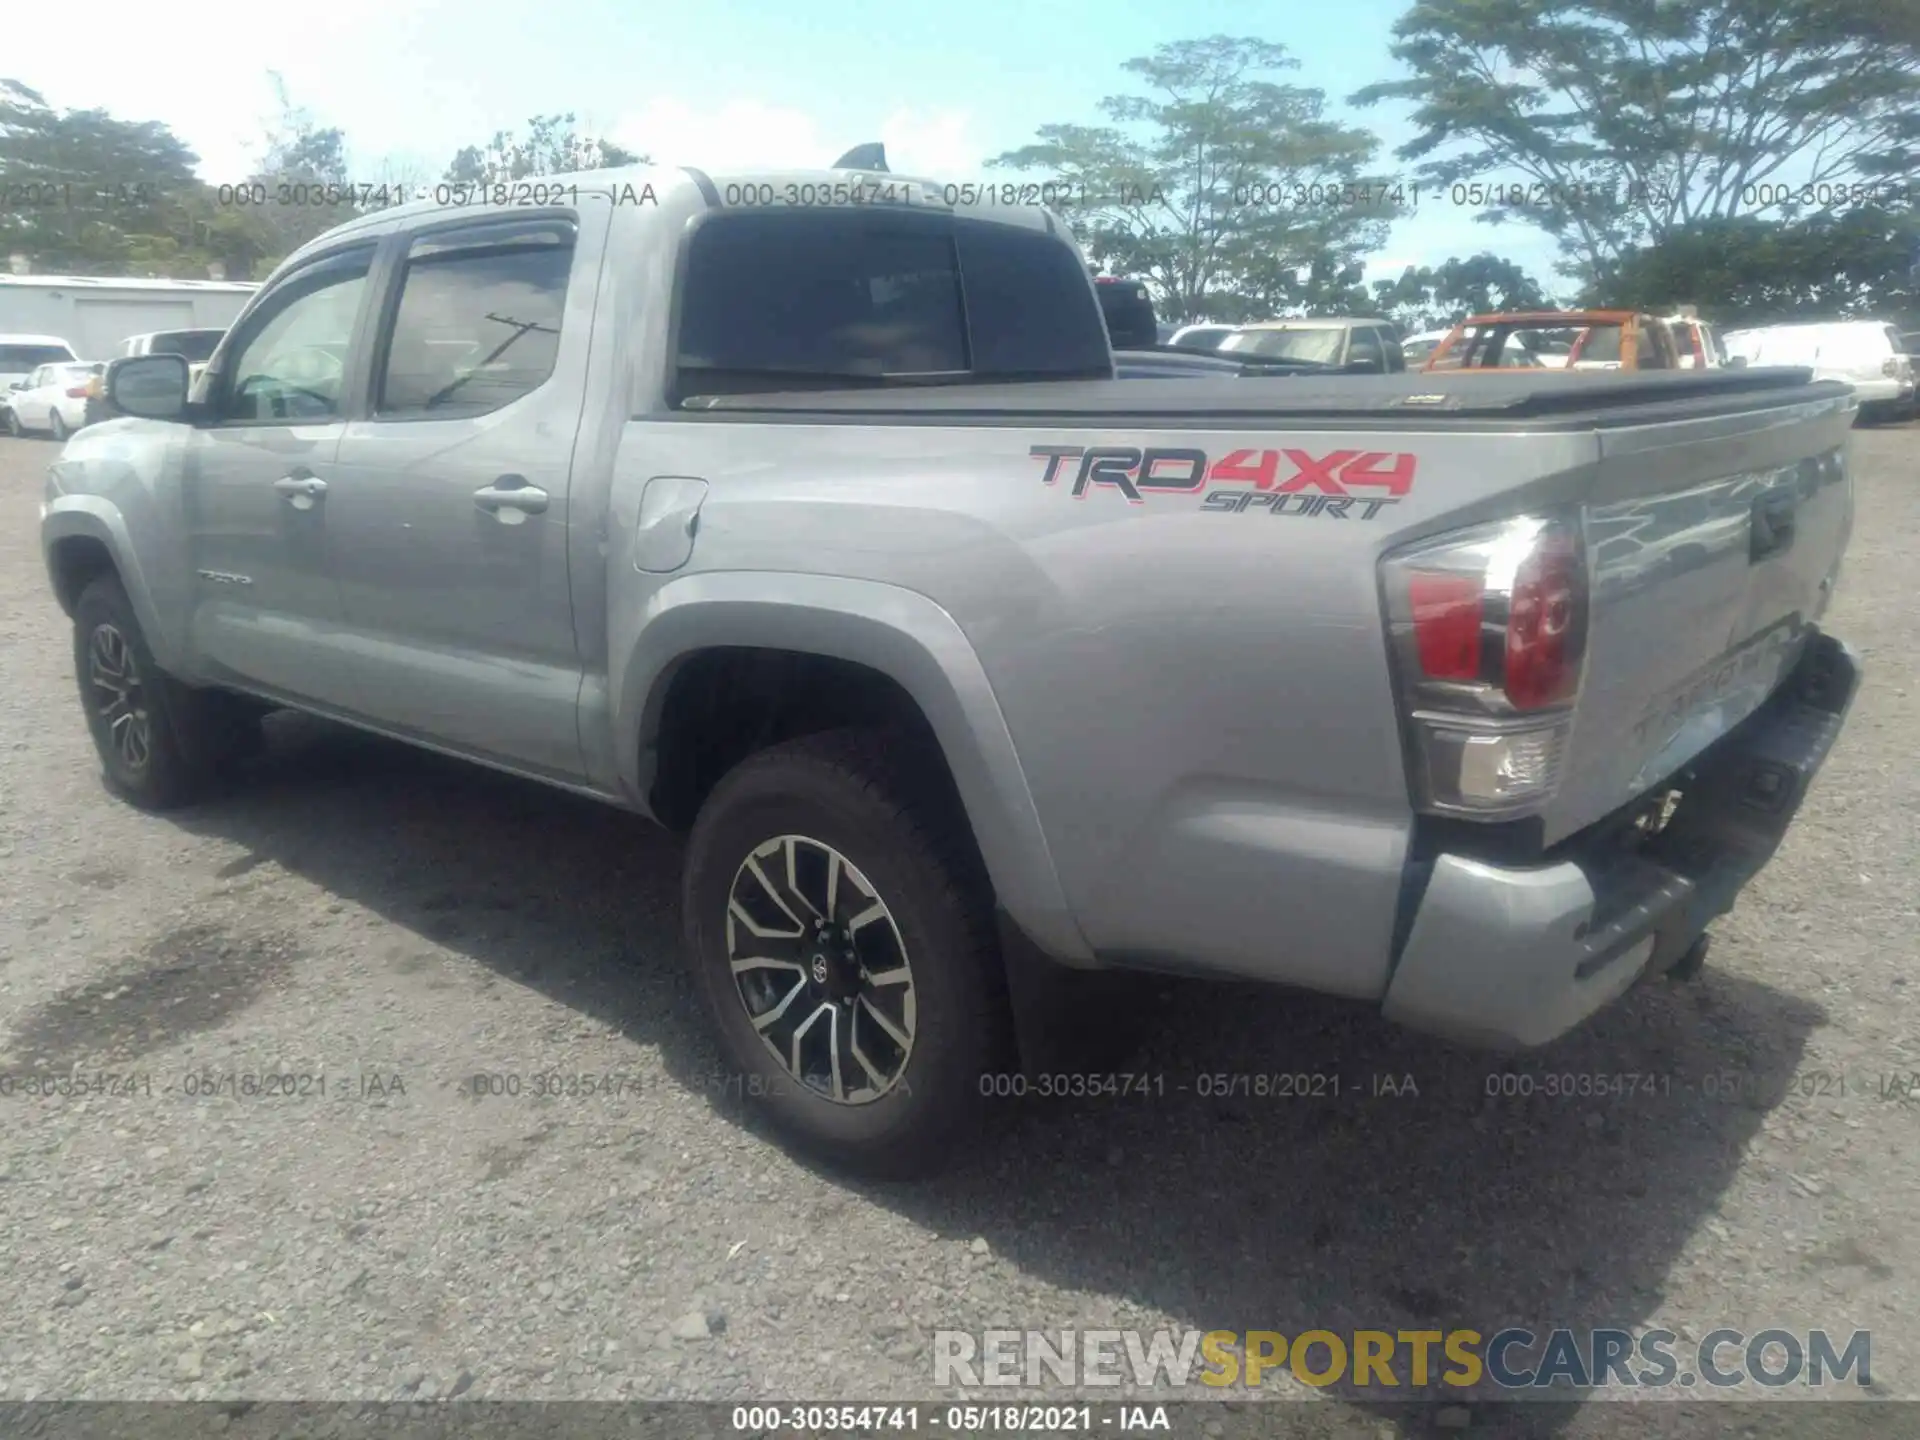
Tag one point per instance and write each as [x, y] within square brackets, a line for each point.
[1343, 484]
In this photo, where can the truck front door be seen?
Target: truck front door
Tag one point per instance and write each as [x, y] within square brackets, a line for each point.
[454, 487]
[257, 489]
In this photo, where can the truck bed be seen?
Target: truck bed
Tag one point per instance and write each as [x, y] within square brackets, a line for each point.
[1552, 401]
[1666, 470]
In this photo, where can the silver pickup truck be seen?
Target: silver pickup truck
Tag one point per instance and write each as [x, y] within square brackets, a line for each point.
[824, 533]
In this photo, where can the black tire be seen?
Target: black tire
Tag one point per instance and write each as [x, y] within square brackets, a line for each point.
[12, 423]
[188, 733]
[57, 426]
[885, 807]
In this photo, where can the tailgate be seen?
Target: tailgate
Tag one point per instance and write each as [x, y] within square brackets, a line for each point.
[1714, 547]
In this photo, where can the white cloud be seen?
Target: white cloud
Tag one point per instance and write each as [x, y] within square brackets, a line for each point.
[750, 135]
[209, 87]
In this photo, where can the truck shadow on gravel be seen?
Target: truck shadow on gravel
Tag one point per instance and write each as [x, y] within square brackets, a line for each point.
[1417, 1187]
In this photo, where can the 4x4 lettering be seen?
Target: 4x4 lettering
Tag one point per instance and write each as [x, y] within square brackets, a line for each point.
[1364, 471]
[1318, 473]
[1324, 484]
[1240, 466]
[1108, 465]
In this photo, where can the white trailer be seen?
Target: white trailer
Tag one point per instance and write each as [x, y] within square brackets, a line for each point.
[95, 313]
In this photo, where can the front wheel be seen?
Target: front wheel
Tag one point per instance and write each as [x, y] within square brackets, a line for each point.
[12, 423]
[841, 926]
[161, 743]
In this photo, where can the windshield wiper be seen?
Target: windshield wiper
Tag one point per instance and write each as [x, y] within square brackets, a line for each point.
[521, 327]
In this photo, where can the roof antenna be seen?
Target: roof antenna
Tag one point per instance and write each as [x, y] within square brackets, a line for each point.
[871, 156]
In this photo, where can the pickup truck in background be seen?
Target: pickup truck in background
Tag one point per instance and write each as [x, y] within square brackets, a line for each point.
[1867, 355]
[826, 536]
[1363, 346]
[1577, 340]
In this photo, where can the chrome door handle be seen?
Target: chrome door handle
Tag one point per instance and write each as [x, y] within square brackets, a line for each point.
[303, 489]
[527, 499]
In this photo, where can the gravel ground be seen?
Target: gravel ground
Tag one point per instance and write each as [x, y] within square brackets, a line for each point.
[399, 923]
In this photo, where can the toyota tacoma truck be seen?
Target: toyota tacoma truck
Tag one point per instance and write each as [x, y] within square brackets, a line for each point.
[825, 534]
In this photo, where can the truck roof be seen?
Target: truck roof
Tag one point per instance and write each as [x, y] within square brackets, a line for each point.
[716, 186]
[33, 340]
[128, 282]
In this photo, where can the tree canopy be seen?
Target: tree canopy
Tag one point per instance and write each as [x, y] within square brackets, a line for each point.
[1230, 190]
[1631, 121]
[546, 145]
[1748, 271]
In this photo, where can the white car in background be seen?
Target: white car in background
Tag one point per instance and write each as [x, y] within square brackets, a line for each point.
[52, 398]
[1418, 348]
[21, 355]
[1206, 335]
[1868, 354]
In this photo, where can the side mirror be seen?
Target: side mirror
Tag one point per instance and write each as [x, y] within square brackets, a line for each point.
[18, 385]
[153, 387]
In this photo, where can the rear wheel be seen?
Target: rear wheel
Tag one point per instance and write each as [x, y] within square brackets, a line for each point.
[161, 743]
[57, 424]
[841, 926]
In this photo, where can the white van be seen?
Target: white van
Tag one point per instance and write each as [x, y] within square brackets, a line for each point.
[1867, 354]
[21, 355]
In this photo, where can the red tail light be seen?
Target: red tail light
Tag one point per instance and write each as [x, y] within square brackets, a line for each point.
[1488, 627]
[1446, 624]
[77, 392]
[1543, 654]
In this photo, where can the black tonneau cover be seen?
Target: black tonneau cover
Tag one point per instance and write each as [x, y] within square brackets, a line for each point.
[1553, 400]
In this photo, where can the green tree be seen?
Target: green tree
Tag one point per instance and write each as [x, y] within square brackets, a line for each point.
[306, 163]
[1748, 271]
[1230, 193]
[1624, 122]
[549, 145]
[1429, 297]
[104, 196]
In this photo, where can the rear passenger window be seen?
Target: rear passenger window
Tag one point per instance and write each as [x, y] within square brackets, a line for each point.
[793, 299]
[1029, 311]
[478, 324]
[767, 296]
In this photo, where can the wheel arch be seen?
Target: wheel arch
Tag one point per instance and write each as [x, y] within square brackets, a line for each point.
[910, 647]
[83, 537]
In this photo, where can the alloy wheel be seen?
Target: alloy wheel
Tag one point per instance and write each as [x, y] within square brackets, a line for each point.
[119, 695]
[819, 964]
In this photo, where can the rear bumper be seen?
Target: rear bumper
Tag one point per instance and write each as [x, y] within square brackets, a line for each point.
[1880, 390]
[1514, 957]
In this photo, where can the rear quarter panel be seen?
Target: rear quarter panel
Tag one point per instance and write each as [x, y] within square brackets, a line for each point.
[1198, 696]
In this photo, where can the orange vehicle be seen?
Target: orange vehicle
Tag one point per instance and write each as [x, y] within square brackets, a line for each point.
[1558, 340]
